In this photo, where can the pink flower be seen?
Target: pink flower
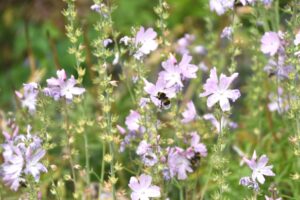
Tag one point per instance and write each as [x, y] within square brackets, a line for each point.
[196, 146]
[145, 42]
[227, 33]
[259, 168]
[190, 113]
[132, 121]
[29, 97]
[178, 163]
[221, 6]
[270, 43]
[174, 73]
[218, 91]
[224, 122]
[183, 44]
[62, 87]
[142, 188]
[171, 74]
[159, 87]
[22, 155]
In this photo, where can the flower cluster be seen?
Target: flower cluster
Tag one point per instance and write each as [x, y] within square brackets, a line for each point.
[22, 155]
[29, 97]
[274, 45]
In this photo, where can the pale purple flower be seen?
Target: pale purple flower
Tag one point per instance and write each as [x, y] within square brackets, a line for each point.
[201, 50]
[267, 2]
[178, 164]
[184, 43]
[227, 33]
[270, 43]
[143, 102]
[221, 6]
[171, 73]
[196, 146]
[29, 97]
[224, 122]
[279, 68]
[259, 168]
[278, 102]
[160, 86]
[125, 40]
[245, 2]
[142, 188]
[297, 39]
[62, 87]
[190, 113]
[22, 155]
[107, 41]
[145, 42]
[143, 148]
[248, 182]
[133, 121]
[202, 66]
[218, 90]
[100, 8]
[174, 73]
[188, 70]
[149, 159]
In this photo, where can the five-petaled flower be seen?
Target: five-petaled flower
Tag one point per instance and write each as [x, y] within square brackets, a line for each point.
[142, 188]
[218, 90]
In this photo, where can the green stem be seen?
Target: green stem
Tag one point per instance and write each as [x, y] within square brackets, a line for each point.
[102, 168]
[87, 161]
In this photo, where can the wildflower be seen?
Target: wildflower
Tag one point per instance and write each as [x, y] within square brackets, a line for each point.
[201, 50]
[190, 113]
[259, 168]
[171, 73]
[219, 125]
[101, 9]
[218, 91]
[178, 163]
[196, 146]
[107, 41]
[221, 6]
[142, 188]
[297, 39]
[248, 182]
[278, 102]
[159, 87]
[188, 70]
[267, 2]
[270, 43]
[62, 87]
[183, 44]
[245, 2]
[132, 121]
[143, 148]
[279, 68]
[227, 33]
[145, 42]
[125, 40]
[174, 73]
[29, 97]
[22, 156]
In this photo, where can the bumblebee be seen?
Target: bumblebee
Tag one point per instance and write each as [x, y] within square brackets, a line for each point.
[164, 100]
[195, 160]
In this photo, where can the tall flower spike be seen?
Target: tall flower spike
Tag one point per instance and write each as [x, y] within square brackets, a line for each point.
[218, 90]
